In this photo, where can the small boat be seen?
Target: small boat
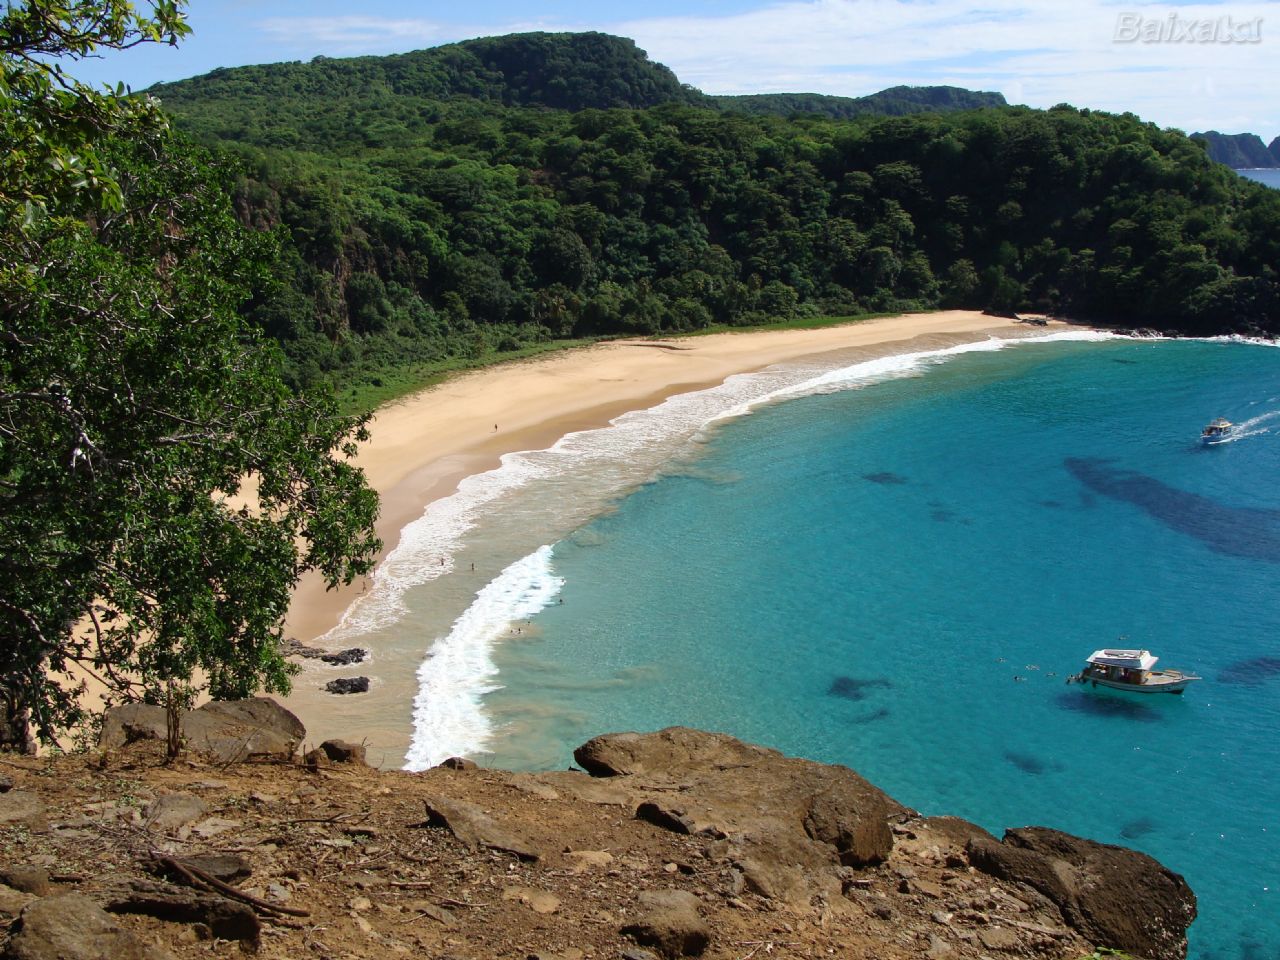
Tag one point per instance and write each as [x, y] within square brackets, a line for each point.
[1216, 432]
[1131, 670]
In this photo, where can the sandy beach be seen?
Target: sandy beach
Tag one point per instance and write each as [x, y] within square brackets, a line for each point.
[423, 445]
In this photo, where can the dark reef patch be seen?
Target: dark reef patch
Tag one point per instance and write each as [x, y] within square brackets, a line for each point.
[1102, 705]
[880, 713]
[885, 478]
[855, 688]
[1139, 827]
[1029, 763]
[1252, 671]
[942, 516]
[1051, 504]
[1237, 531]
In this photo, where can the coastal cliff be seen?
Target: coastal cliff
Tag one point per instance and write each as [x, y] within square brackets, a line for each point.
[674, 843]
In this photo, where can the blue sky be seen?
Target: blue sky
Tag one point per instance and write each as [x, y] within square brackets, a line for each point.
[1038, 52]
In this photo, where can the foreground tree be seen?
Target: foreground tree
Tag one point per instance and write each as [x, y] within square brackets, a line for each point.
[161, 491]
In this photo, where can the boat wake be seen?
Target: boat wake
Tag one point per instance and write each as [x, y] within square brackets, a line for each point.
[1254, 427]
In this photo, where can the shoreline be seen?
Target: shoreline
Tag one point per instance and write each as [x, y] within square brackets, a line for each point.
[424, 445]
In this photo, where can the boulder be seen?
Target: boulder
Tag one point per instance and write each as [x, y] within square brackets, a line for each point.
[459, 763]
[235, 730]
[668, 921]
[345, 685]
[338, 751]
[73, 927]
[344, 658]
[23, 808]
[476, 829]
[12, 902]
[173, 811]
[6, 783]
[32, 880]
[226, 919]
[838, 815]
[789, 824]
[673, 752]
[1115, 897]
[229, 730]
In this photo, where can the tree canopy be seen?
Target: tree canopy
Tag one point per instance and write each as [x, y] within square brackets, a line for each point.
[430, 218]
[161, 490]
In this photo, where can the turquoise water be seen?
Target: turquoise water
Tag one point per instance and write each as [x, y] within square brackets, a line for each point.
[900, 577]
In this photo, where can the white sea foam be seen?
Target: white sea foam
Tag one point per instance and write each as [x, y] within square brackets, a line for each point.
[1254, 426]
[448, 718]
[548, 493]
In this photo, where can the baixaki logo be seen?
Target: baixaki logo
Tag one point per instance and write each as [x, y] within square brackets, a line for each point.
[1135, 28]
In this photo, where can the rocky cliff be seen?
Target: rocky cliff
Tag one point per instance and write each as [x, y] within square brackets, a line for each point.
[675, 843]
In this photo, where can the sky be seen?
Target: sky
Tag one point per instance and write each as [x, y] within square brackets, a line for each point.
[1194, 66]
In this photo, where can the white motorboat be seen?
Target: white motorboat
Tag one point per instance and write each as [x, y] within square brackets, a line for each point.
[1217, 432]
[1131, 670]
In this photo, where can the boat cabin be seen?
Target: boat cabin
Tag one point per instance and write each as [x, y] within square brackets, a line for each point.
[1122, 666]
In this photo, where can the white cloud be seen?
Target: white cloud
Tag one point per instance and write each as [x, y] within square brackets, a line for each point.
[1039, 52]
[351, 34]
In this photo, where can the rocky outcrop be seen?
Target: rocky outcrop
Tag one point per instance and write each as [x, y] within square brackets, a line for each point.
[470, 824]
[787, 823]
[335, 658]
[1114, 896]
[669, 921]
[345, 685]
[22, 808]
[233, 731]
[683, 843]
[72, 927]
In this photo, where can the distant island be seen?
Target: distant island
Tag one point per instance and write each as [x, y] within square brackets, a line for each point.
[1240, 151]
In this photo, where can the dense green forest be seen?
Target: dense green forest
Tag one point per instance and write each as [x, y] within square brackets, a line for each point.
[893, 102]
[497, 194]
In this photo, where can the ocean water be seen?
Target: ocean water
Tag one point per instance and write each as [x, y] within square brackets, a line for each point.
[1268, 175]
[896, 569]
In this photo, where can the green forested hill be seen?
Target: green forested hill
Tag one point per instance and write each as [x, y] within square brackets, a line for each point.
[1240, 150]
[472, 215]
[893, 102]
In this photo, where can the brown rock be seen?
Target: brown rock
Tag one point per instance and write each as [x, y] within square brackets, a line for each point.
[998, 938]
[226, 919]
[672, 751]
[73, 927]
[12, 902]
[584, 860]
[668, 921]
[23, 808]
[472, 826]
[337, 751]
[459, 763]
[172, 811]
[30, 880]
[852, 816]
[789, 824]
[230, 730]
[539, 901]
[1115, 897]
